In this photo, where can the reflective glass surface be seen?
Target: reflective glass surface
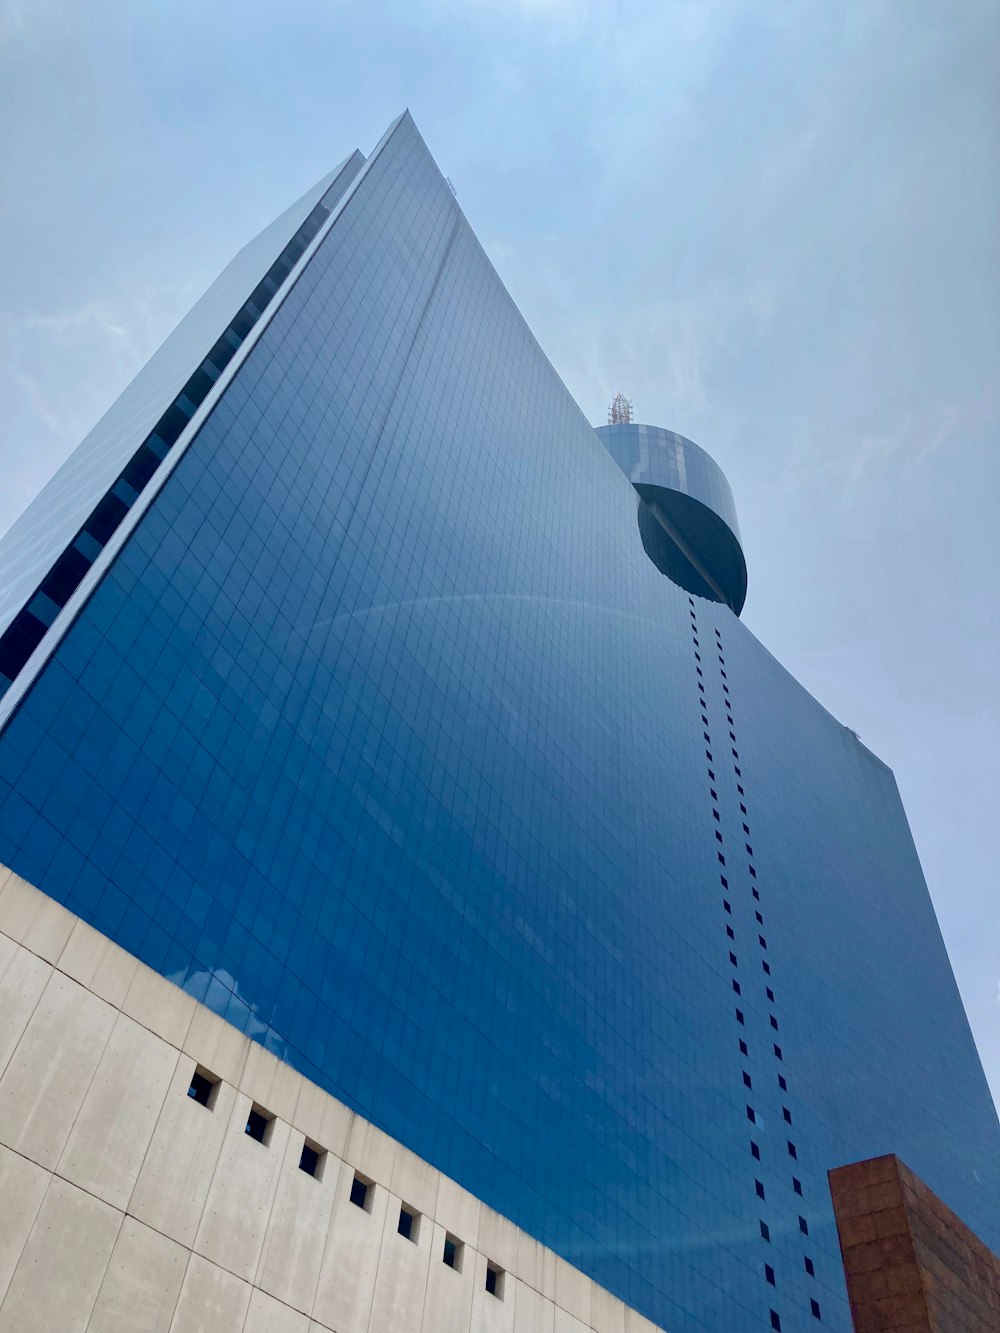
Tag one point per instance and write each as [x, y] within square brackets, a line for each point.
[385, 739]
[652, 456]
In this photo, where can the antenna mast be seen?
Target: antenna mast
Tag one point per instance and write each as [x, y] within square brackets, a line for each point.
[620, 411]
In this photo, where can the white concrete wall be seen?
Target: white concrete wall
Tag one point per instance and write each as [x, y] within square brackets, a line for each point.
[126, 1207]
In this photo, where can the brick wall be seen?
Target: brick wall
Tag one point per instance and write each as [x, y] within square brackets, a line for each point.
[912, 1265]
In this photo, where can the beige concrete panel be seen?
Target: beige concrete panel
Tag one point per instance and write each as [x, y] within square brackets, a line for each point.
[497, 1239]
[457, 1211]
[22, 1188]
[233, 1224]
[82, 953]
[370, 1151]
[159, 1005]
[638, 1323]
[57, 1278]
[297, 1228]
[607, 1313]
[266, 1315]
[490, 1314]
[567, 1323]
[448, 1303]
[95, 962]
[269, 1082]
[415, 1181]
[211, 1300]
[114, 976]
[350, 1260]
[108, 1142]
[22, 983]
[573, 1291]
[49, 931]
[20, 903]
[533, 1313]
[216, 1045]
[142, 1282]
[49, 1073]
[536, 1265]
[322, 1118]
[5, 874]
[8, 952]
[401, 1280]
[175, 1178]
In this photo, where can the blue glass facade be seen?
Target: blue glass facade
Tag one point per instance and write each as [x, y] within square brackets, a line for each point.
[383, 736]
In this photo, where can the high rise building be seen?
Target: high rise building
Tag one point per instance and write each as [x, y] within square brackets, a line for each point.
[357, 686]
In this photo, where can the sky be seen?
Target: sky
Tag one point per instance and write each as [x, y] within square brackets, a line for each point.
[775, 226]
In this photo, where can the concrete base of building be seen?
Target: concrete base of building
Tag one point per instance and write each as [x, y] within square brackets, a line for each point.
[128, 1204]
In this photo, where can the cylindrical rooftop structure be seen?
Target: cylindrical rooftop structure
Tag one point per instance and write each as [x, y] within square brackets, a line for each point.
[687, 518]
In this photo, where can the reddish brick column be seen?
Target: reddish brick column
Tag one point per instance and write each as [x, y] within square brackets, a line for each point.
[912, 1265]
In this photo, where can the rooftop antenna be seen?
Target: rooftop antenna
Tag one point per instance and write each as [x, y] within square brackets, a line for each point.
[620, 411]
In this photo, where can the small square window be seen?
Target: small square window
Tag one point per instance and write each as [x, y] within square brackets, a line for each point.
[770, 994]
[754, 1151]
[727, 906]
[803, 1226]
[796, 1185]
[711, 774]
[746, 829]
[792, 1150]
[755, 893]
[751, 1115]
[259, 1124]
[204, 1088]
[782, 1083]
[775, 1321]
[453, 1252]
[760, 919]
[809, 1265]
[409, 1223]
[739, 1016]
[765, 1231]
[362, 1192]
[814, 1307]
[312, 1160]
[747, 1080]
[718, 836]
[723, 881]
[759, 1187]
[743, 807]
[766, 966]
[714, 794]
[769, 1274]
[736, 987]
[730, 932]
[777, 1052]
[722, 859]
[744, 1049]
[787, 1115]
[494, 1281]
[732, 959]
[774, 1022]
